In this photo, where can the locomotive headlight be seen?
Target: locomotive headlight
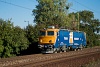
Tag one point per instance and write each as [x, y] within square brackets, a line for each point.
[40, 40]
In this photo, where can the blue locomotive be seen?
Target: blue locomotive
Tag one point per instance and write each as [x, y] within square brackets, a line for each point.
[53, 40]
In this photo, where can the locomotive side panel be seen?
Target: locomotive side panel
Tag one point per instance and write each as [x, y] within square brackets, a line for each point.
[64, 37]
[72, 39]
[62, 41]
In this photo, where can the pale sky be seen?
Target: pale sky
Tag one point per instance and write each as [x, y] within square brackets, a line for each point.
[21, 10]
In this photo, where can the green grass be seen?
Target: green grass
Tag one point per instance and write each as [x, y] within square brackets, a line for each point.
[92, 64]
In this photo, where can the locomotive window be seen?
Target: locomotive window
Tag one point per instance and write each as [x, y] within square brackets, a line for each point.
[42, 33]
[50, 32]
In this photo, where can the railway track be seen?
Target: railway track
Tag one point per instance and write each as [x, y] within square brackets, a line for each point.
[50, 60]
[71, 61]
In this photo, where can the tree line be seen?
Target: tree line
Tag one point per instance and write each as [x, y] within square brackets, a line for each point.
[14, 40]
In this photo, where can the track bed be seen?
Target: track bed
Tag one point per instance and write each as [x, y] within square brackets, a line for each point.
[65, 59]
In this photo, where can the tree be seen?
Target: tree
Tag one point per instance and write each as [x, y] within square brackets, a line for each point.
[73, 21]
[95, 25]
[31, 33]
[20, 41]
[89, 25]
[12, 39]
[5, 37]
[51, 12]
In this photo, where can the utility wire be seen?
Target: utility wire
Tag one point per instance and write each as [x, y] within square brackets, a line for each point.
[73, 9]
[86, 6]
[31, 0]
[15, 5]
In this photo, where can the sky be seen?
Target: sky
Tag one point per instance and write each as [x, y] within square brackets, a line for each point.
[21, 10]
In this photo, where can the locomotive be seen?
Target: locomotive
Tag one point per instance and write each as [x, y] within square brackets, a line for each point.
[52, 40]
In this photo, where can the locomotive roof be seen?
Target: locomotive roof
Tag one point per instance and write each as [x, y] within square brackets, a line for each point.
[60, 29]
[71, 30]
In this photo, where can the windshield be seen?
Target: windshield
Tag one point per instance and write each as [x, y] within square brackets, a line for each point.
[42, 33]
[50, 33]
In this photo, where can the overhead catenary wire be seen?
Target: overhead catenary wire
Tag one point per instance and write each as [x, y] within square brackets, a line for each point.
[94, 11]
[16, 5]
[86, 6]
[73, 9]
[32, 9]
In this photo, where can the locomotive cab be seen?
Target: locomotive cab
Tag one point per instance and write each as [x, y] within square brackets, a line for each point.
[47, 39]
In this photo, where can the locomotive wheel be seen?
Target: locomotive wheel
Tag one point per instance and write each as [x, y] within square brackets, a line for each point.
[58, 51]
[78, 49]
[81, 47]
[75, 49]
[66, 49]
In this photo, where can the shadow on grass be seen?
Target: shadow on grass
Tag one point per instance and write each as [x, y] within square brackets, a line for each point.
[32, 49]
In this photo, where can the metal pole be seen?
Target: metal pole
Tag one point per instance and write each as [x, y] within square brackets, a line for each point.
[27, 22]
[78, 22]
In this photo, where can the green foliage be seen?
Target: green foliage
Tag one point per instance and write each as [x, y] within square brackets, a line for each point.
[31, 33]
[51, 12]
[20, 42]
[12, 39]
[87, 24]
[73, 21]
[92, 64]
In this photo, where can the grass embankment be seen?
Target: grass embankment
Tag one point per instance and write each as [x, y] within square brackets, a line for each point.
[92, 64]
